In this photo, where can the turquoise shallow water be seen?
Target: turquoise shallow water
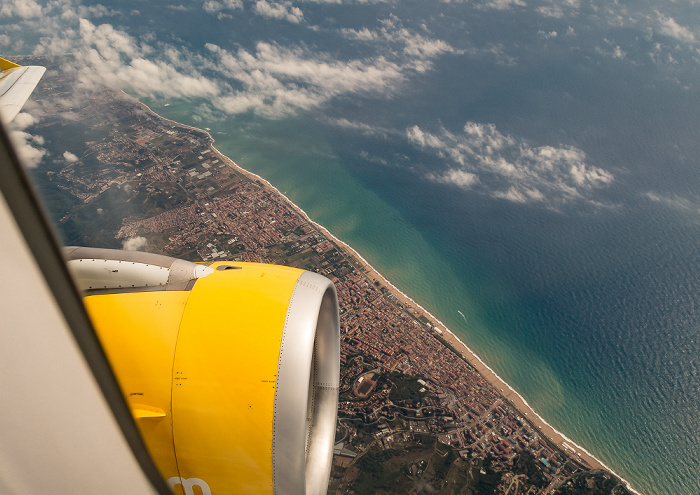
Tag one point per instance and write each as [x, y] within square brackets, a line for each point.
[589, 315]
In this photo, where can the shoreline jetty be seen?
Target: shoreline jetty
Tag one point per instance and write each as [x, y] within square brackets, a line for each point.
[451, 341]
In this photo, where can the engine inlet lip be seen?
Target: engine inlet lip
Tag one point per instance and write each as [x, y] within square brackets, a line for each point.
[306, 393]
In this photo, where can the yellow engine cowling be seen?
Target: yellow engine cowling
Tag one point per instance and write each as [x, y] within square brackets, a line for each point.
[231, 370]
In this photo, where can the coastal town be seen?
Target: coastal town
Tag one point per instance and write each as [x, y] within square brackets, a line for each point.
[418, 412]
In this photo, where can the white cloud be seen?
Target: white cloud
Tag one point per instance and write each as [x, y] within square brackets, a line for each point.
[661, 55]
[366, 129]
[28, 148]
[373, 159]
[559, 8]
[23, 120]
[216, 6]
[491, 4]
[550, 11]
[95, 11]
[457, 177]
[497, 51]
[502, 4]
[70, 157]
[520, 195]
[109, 56]
[416, 49]
[25, 9]
[108, 42]
[270, 79]
[135, 244]
[510, 168]
[279, 80]
[669, 27]
[282, 10]
[611, 50]
[676, 202]
[363, 34]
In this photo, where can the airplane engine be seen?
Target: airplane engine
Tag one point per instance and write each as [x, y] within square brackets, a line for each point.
[230, 369]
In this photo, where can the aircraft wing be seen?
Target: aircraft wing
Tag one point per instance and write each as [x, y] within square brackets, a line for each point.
[65, 426]
[16, 85]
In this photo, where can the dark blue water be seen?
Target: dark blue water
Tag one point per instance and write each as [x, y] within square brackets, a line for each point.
[581, 295]
[590, 313]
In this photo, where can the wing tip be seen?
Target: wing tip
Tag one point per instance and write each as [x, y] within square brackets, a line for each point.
[6, 64]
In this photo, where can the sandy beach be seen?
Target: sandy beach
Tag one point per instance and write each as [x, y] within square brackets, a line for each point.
[546, 430]
[555, 437]
[511, 395]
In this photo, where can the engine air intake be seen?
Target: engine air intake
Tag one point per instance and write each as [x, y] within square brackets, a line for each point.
[231, 370]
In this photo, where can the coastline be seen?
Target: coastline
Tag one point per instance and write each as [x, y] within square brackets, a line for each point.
[557, 438]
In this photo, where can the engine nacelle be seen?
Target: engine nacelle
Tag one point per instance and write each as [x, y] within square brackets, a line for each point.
[231, 369]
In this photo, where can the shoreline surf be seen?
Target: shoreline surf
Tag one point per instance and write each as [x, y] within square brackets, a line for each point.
[556, 437]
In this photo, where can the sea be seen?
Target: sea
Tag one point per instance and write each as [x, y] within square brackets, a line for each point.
[528, 171]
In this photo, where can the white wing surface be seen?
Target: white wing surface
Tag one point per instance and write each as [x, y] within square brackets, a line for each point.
[16, 85]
